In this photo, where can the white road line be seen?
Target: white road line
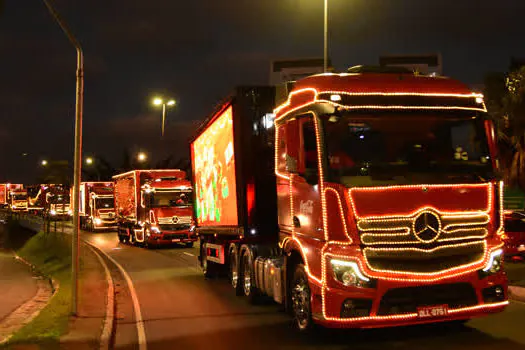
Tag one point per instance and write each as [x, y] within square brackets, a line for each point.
[109, 319]
[188, 254]
[141, 332]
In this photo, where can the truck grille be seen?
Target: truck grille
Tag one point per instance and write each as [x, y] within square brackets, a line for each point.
[172, 220]
[423, 243]
[176, 227]
[408, 299]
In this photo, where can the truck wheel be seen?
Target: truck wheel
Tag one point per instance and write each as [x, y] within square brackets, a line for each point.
[131, 237]
[189, 245]
[233, 273]
[301, 306]
[247, 278]
[209, 269]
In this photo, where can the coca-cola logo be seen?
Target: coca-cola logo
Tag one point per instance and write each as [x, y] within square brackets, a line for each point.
[306, 207]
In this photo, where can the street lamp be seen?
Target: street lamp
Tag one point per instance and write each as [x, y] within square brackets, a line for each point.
[142, 157]
[157, 101]
[325, 36]
[44, 162]
[79, 107]
[89, 161]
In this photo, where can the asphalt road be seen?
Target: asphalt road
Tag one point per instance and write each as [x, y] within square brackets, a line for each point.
[182, 310]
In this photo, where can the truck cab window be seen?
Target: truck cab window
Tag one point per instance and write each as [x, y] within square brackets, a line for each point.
[309, 146]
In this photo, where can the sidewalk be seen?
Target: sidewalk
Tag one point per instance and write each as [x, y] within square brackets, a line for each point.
[85, 330]
[17, 283]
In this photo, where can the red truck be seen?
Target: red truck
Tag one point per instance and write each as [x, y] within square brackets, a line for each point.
[154, 207]
[52, 201]
[5, 193]
[97, 206]
[370, 201]
[18, 201]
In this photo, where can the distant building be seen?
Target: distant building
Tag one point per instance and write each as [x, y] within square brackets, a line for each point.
[430, 64]
[282, 71]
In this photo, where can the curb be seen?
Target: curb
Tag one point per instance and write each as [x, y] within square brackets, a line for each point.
[109, 320]
[517, 293]
[46, 290]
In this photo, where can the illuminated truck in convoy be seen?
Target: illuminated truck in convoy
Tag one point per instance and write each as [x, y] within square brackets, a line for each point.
[97, 206]
[51, 201]
[370, 201]
[18, 200]
[7, 191]
[154, 207]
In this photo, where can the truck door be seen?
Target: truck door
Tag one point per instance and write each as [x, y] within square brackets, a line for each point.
[307, 212]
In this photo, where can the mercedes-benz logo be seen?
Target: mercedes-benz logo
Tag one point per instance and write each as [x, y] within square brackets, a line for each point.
[175, 219]
[427, 227]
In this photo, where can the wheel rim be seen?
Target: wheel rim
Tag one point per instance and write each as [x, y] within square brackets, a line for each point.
[301, 302]
[247, 285]
[234, 275]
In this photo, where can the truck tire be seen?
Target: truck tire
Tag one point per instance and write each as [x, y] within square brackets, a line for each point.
[233, 270]
[189, 245]
[131, 237]
[301, 299]
[247, 277]
[209, 269]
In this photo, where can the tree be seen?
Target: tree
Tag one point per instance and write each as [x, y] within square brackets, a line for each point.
[505, 97]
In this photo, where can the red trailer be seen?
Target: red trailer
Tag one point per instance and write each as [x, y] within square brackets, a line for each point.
[97, 206]
[154, 207]
[381, 208]
[5, 193]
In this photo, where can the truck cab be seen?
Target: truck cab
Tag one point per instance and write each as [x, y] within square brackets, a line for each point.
[97, 206]
[18, 200]
[154, 207]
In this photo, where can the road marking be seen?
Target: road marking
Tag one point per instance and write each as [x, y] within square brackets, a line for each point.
[109, 319]
[189, 254]
[141, 333]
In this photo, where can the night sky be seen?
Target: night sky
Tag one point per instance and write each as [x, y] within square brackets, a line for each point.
[196, 50]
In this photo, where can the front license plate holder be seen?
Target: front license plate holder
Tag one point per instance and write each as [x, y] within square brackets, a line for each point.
[432, 311]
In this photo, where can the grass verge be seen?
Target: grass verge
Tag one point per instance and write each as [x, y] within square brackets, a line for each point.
[51, 254]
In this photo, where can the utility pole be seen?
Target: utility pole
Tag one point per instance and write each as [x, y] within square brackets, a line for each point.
[78, 152]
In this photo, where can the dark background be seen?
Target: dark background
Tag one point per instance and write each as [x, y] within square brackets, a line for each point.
[195, 51]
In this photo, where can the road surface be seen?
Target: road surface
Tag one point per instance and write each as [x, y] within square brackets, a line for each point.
[182, 310]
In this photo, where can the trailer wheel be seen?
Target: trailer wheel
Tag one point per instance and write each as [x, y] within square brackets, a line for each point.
[247, 278]
[208, 268]
[301, 295]
[233, 272]
[131, 237]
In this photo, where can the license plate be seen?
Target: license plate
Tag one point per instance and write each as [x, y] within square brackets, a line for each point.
[175, 240]
[432, 311]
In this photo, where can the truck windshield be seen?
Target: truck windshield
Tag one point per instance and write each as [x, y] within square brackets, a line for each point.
[171, 199]
[20, 197]
[105, 203]
[58, 199]
[389, 149]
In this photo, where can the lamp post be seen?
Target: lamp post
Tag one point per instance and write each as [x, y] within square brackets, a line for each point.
[77, 156]
[141, 157]
[325, 36]
[160, 102]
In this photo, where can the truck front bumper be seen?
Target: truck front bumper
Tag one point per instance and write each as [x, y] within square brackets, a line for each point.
[388, 299]
[398, 303]
[172, 237]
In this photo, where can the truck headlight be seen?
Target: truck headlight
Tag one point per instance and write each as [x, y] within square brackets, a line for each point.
[494, 264]
[53, 212]
[349, 274]
[98, 221]
[155, 229]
